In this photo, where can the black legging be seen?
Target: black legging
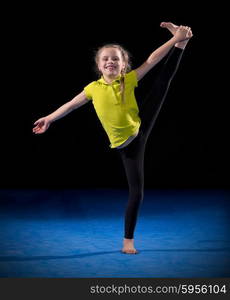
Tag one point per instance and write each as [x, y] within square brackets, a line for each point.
[133, 154]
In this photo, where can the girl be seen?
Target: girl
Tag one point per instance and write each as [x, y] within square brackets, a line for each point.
[127, 125]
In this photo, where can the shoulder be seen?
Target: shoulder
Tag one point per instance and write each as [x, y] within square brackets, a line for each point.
[131, 77]
[91, 84]
[89, 89]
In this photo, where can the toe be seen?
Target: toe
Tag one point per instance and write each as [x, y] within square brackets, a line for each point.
[129, 251]
[163, 24]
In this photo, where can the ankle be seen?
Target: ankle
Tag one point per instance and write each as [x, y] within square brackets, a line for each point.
[181, 44]
[128, 241]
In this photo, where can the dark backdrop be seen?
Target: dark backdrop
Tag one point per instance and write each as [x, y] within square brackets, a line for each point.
[48, 59]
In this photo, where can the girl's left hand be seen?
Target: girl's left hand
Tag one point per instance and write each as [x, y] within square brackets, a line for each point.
[183, 33]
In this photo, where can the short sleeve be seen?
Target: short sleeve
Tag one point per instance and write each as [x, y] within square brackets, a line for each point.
[89, 90]
[131, 78]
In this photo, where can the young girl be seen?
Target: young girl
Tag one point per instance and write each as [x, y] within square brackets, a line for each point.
[127, 125]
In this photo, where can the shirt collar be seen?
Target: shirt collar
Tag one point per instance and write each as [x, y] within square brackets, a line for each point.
[116, 80]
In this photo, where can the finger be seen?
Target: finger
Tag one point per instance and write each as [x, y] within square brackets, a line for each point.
[38, 131]
[38, 123]
[37, 127]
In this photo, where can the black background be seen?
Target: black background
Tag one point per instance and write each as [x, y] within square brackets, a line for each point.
[48, 59]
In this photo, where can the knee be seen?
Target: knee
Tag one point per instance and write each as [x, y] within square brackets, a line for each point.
[137, 194]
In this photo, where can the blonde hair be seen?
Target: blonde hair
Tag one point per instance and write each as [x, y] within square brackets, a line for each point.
[126, 58]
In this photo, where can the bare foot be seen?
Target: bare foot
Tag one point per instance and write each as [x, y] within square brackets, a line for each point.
[170, 26]
[173, 28]
[128, 247]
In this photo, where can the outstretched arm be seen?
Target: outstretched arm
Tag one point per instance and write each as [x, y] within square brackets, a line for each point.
[65, 109]
[42, 124]
[156, 56]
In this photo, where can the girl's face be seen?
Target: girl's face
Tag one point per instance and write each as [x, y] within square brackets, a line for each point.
[110, 62]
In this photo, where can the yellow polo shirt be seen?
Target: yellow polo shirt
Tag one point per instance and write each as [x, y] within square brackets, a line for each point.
[119, 120]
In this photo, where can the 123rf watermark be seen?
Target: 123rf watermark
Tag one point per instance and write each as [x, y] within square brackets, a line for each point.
[176, 289]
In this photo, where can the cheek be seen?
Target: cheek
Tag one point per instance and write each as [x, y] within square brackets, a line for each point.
[101, 64]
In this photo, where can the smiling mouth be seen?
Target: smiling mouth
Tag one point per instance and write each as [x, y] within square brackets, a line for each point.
[111, 67]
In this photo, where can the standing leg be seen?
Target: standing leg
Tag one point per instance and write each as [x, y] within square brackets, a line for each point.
[133, 160]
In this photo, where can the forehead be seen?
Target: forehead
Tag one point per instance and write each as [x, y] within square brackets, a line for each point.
[110, 52]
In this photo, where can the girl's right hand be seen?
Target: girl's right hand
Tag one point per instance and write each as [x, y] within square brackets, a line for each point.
[41, 125]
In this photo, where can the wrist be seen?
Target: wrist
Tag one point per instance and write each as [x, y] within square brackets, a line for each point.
[181, 44]
[50, 119]
[175, 40]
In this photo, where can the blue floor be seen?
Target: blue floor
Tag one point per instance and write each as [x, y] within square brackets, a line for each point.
[78, 233]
